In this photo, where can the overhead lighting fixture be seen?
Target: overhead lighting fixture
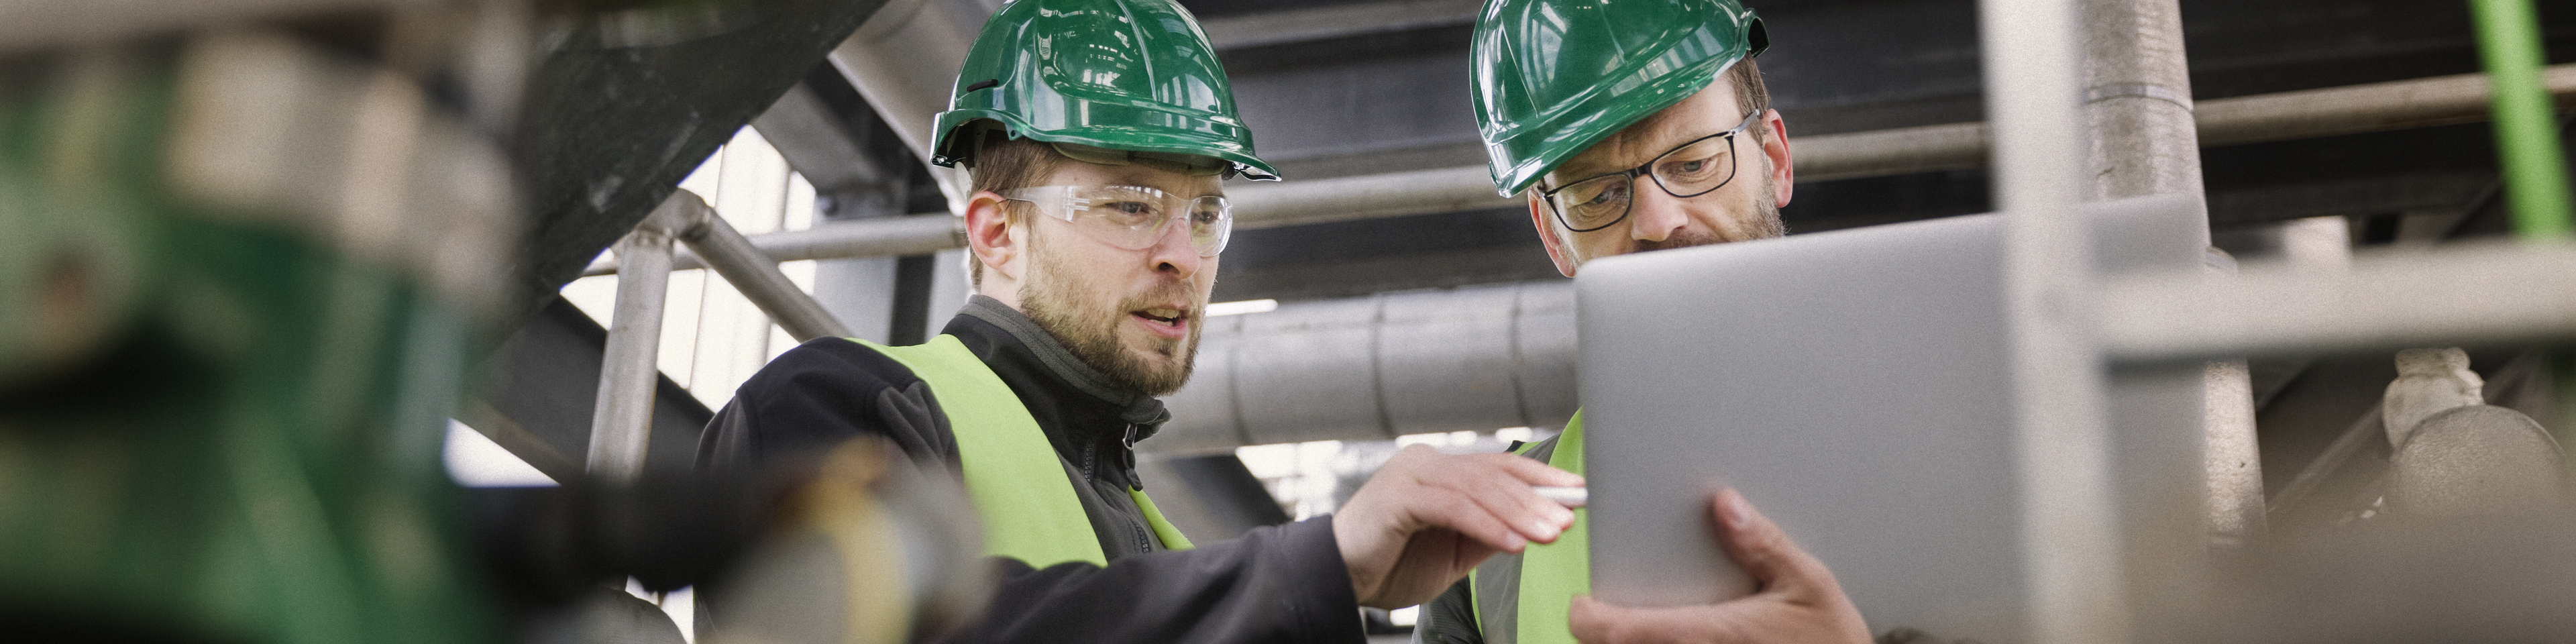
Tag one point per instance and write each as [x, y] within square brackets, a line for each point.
[1242, 307]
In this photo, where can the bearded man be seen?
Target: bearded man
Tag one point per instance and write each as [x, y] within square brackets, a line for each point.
[1630, 127]
[1098, 134]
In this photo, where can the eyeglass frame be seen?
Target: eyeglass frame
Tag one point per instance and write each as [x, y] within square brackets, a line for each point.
[1225, 210]
[1647, 170]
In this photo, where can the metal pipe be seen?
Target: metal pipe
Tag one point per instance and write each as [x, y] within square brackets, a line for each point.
[2138, 99]
[1379, 366]
[2138, 102]
[2231, 121]
[754, 274]
[1267, 205]
[2526, 136]
[2393, 105]
[921, 234]
[621, 418]
[2439, 296]
[1853, 155]
[2374, 107]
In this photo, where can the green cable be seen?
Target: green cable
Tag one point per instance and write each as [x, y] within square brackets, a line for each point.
[2535, 173]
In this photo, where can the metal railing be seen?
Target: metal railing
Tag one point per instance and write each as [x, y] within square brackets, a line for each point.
[621, 419]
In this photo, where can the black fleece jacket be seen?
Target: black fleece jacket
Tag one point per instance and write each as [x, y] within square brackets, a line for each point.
[1275, 584]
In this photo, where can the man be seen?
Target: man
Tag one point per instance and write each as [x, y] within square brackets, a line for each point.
[1633, 126]
[1098, 133]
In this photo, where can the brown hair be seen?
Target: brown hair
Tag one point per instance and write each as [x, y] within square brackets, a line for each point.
[1750, 93]
[1005, 163]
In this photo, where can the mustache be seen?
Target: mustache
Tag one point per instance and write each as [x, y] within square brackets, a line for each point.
[1167, 292]
[1685, 239]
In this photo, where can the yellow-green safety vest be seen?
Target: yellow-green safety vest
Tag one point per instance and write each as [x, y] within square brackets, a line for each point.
[1018, 483]
[1552, 573]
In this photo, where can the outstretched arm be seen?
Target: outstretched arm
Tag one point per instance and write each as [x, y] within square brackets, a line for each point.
[1426, 518]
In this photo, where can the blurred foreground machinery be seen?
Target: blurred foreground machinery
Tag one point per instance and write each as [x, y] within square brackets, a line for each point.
[243, 272]
[241, 278]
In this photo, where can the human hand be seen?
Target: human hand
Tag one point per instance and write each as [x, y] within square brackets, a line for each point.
[1427, 518]
[1797, 602]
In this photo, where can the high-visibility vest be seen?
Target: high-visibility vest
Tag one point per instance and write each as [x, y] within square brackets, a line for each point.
[1551, 574]
[1019, 485]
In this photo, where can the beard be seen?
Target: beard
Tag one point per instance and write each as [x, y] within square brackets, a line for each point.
[1085, 315]
[1765, 225]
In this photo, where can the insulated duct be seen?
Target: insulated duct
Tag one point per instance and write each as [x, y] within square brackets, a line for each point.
[1375, 367]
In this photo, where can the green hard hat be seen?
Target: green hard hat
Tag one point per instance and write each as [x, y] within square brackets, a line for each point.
[1554, 77]
[1128, 75]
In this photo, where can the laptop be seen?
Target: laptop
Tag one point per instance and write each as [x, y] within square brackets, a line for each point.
[1853, 385]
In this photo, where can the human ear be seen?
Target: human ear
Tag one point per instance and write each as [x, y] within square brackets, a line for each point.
[1776, 147]
[990, 235]
[1549, 235]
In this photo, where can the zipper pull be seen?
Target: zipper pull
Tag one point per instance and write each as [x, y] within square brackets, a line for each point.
[1128, 457]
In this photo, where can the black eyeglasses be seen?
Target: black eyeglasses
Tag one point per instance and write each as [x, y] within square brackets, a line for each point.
[1688, 170]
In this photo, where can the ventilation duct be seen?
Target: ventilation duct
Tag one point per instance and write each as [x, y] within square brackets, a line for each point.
[1375, 367]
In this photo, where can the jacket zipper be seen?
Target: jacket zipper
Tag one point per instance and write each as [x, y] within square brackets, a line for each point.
[1091, 476]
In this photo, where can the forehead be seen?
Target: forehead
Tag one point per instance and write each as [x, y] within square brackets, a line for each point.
[1710, 111]
[1073, 172]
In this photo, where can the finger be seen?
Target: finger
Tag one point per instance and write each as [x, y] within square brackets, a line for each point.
[1767, 553]
[1537, 473]
[1449, 508]
[1512, 499]
[1594, 622]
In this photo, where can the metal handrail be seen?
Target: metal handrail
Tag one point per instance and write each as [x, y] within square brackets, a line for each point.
[621, 419]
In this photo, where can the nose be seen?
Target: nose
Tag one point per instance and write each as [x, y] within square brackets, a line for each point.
[1172, 251]
[1654, 215]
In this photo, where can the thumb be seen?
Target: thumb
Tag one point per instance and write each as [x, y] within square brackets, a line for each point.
[1766, 553]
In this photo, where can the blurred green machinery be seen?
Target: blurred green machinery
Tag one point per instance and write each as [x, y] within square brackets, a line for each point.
[245, 271]
[237, 280]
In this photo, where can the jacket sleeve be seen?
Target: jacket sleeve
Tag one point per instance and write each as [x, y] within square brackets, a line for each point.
[817, 395]
[1450, 618]
[1275, 584]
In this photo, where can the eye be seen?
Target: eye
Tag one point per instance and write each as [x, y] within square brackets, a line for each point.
[1126, 213]
[1612, 193]
[1694, 168]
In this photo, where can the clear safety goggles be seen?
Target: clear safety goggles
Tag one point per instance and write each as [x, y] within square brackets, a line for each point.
[1133, 217]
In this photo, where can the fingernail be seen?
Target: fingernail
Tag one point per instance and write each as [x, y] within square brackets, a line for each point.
[1546, 531]
[1515, 544]
[1737, 511]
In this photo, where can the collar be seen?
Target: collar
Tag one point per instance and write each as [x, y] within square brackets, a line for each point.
[1139, 409]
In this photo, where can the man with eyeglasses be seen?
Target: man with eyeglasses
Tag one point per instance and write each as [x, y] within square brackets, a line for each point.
[1633, 126]
[1098, 134]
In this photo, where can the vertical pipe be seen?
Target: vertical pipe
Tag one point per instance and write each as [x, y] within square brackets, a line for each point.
[621, 418]
[2138, 101]
[2535, 173]
[2069, 546]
